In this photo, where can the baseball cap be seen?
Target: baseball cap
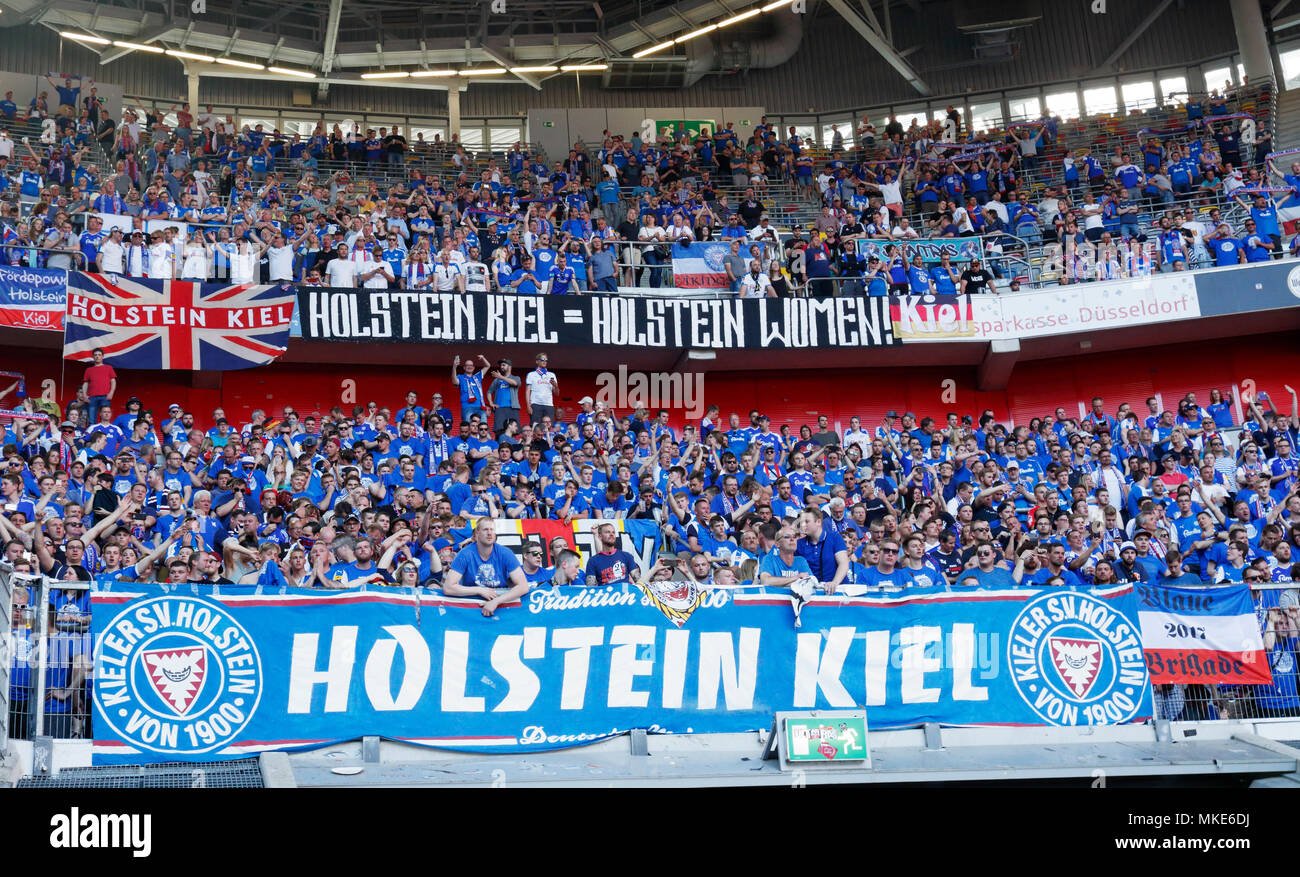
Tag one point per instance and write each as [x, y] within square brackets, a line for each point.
[1127, 546]
[585, 399]
[1012, 464]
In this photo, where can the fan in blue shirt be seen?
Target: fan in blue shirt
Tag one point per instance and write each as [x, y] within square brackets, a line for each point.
[1227, 249]
[918, 278]
[1258, 248]
[563, 278]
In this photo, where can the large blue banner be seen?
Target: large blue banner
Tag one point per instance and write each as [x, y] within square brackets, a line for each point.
[194, 675]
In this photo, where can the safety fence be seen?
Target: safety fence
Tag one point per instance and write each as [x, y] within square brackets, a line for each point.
[1278, 613]
[49, 650]
[49, 657]
[35, 256]
[715, 266]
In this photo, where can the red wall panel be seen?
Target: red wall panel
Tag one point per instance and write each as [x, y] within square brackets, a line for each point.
[1034, 389]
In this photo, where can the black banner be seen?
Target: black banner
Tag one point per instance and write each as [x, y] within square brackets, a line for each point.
[593, 320]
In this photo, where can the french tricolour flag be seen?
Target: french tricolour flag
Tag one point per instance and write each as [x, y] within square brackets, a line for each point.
[1202, 635]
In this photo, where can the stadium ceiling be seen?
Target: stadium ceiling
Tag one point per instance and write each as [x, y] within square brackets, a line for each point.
[381, 34]
[338, 40]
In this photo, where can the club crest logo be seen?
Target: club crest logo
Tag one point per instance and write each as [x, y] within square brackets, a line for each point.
[1077, 660]
[175, 675]
[676, 600]
[714, 256]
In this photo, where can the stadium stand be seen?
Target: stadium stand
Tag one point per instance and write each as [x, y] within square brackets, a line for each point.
[406, 491]
[416, 200]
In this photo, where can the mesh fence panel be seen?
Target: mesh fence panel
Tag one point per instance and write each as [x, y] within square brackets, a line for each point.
[242, 774]
[1278, 612]
[63, 692]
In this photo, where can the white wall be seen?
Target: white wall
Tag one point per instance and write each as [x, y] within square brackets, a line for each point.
[556, 130]
[25, 87]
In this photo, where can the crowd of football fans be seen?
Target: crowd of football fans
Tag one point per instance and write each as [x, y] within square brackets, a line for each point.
[369, 208]
[387, 494]
[390, 495]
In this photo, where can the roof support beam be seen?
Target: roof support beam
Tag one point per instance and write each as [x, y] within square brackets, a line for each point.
[1282, 23]
[230, 46]
[505, 61]
[34, 17]
[870, 15]
[1133, 36]
[328, 52]
[144, 39]
[880, 44]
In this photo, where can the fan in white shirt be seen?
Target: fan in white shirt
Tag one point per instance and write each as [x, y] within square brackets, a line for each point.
[243, 262]
[679, 230]
[891, 190]
[176, 242]
[112, 254]
[650, 231]
[375, 273]
[756, 284]
[962, 220]
[280, 259]
[197, 259]
[341, 271]
[904, 230]
[136, 259]
[162, 258]
[763, 231]
[475, 273]
[447, 276]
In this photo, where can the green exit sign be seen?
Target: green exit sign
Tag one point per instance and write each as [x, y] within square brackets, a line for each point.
[744, 122]
[548, 124]
[830, 738]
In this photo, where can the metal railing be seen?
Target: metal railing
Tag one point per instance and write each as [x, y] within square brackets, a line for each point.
[1281, 700]
[41, 255]
[48, 658]
[47, 669]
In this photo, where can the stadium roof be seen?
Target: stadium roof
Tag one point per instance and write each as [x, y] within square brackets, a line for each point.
[339, 40]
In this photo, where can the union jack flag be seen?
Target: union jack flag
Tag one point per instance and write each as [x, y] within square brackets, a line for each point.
[176, 324]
